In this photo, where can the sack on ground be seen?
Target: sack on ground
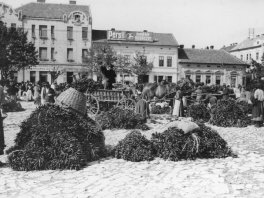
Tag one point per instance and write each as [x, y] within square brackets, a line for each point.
[187, 126]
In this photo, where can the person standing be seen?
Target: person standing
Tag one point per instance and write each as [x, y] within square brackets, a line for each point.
[178, 104]
[50, 95]
[142, 108]
[44, 93]
[225, 92]
[36, 97]
[111, 75]
[12, 91]
[2, 137]
[257, 110]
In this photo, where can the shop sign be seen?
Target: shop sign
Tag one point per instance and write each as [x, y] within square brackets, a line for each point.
[129, 36]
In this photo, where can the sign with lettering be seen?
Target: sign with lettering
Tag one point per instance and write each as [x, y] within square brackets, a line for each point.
[129, 36]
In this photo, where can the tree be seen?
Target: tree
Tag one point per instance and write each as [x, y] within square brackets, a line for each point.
[100, 55]
[140, 65]
[123, 65]
[55, 73]
[16, 52]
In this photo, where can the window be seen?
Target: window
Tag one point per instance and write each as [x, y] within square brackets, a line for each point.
[188, 76]
[33, 31]
[127, 59]
[198, 65]
[13, 25]
[208, 65]
[217, 80]
[70, 33]
[52, 54]
[233, 80]
[198, 78]
[70, 55]
[85, 33]
[161, 61]
[52, 32]
[77, 18]
[43, 76]
[169, 61]
[241, 57]
[247, 56]
[69, 77]
[155, 78]
[43, 31]
[32, 76]
[257, 56]
[43, 54]
[84, 55]
[160, 78]
[218, 66]
[208, 79]
[169, 78]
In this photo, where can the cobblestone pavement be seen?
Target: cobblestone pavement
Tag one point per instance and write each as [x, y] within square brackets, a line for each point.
[223, 178]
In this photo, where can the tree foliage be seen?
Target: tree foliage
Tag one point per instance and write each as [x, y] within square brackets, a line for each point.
[16, 52]
[140, 65]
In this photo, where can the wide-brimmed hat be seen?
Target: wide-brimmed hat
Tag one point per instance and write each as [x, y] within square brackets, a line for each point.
[72, 99]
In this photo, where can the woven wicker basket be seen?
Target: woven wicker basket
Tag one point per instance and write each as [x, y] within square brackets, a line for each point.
[72, 99]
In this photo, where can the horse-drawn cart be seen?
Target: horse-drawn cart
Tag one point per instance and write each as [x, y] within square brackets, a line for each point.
[122, 99]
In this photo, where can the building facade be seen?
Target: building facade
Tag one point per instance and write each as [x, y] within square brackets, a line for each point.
[212, 67]
[251, 48]
[62, 35]
[158, 48]
[9, 16]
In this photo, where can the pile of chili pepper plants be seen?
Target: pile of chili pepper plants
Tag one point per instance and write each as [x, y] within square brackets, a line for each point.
[227, 113]
[119, 118]
[12, 106]
[198, 111]
[56, 138]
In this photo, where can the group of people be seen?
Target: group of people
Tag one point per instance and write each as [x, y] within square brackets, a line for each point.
[40, 93]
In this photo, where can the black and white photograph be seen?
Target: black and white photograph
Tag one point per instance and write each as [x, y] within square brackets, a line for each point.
[131, 99]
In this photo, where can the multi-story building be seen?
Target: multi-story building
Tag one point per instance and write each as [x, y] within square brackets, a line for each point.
[62, 35]
[251, 48]
[212, 67]
[159, 48]
[9, 16]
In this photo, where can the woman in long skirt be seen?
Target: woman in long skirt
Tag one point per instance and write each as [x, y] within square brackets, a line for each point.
[178, 105]
[258, 110]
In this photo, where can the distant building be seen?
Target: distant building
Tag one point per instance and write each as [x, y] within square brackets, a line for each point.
[251, 48]
[9, 16]
[62, 35]
[212, 67]
[229, 48]
[159, 48]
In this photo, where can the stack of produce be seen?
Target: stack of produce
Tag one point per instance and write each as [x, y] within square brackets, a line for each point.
[160, 108]
[174, 144]
[12, 106]
[245, 107]
[56, 138]
[121, 119]
[227, 113]
[185, 85]
[198, 111]
[86, 85]
[135, 147]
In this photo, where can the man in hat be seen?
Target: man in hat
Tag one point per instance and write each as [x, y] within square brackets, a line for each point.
[142, 107]
[111, 75]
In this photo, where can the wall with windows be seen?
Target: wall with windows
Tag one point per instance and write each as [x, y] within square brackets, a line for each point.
[61, 44]
[213, 74]
[246, 55]
[164, 59]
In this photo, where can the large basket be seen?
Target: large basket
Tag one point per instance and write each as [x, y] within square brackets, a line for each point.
[72, 99]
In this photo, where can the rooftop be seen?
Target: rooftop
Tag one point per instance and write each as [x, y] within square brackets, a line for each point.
[51, 11]
[250, 43]
[160, 39]
[206, 56]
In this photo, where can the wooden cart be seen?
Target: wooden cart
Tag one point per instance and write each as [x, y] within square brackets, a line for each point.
[122, 98]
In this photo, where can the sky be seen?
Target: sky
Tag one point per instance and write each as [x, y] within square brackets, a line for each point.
[192, 22]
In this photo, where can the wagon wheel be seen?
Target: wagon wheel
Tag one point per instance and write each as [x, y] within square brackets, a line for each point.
[92, 105]
[126, 103]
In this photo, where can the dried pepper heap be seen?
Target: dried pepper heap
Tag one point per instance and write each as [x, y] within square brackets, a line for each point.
[56, 138]
[228, 113]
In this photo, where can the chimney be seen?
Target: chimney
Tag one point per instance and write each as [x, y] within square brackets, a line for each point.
[145, 30]
[211, 47]
[41, 1]
[193, 46]
[181, 46]
[112, 29]
[207, 47]
[72, 2]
